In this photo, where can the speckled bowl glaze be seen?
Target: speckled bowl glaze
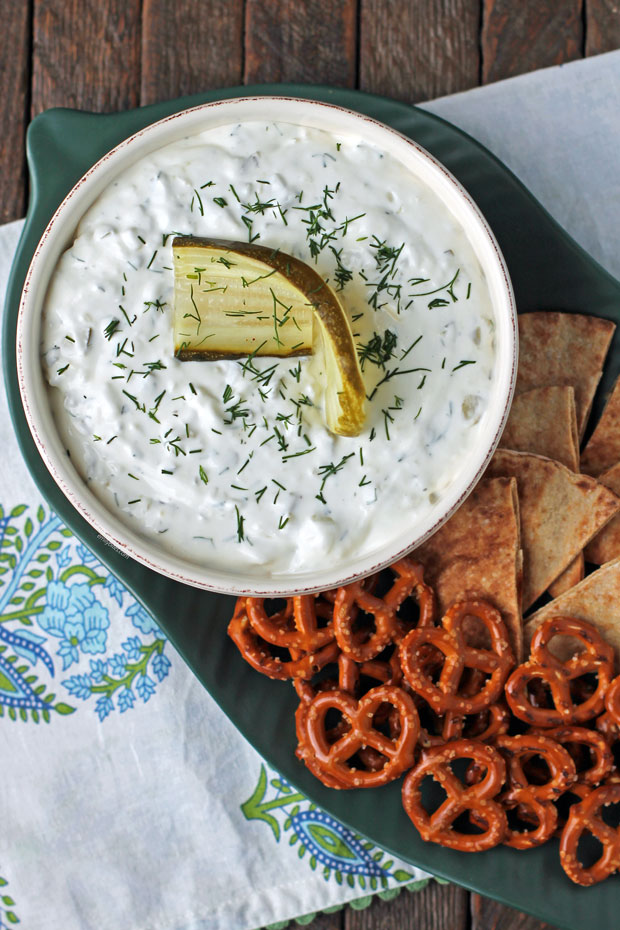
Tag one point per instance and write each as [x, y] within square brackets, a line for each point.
[58, 236]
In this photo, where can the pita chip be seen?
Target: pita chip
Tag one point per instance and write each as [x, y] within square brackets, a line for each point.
[603, 448]
[564, 349]
[595, 599]
[476, 553]
[570, 576]
[606, 545]
[544, 421]
[560, 512]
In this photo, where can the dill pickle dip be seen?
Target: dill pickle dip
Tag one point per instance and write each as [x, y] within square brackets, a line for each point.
[229, 463]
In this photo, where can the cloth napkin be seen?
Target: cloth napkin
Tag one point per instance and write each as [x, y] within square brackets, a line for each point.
[117, 809]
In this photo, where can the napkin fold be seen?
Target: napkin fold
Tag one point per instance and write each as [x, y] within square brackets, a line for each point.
[128, 798]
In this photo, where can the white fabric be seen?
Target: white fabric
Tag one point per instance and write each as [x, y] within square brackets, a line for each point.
[116, 815]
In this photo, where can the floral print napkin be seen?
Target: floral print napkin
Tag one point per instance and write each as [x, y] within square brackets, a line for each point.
[129, 799]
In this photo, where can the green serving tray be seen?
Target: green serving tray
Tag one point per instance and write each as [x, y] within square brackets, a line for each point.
[549, 271]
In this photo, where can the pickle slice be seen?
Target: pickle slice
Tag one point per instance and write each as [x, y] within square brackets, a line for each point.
[233, 299]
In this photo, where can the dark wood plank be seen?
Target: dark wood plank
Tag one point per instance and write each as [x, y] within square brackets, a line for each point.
[86, 54]
[520, 37]
[602, 26]
[417, 51]
[490, 915]
[190, 46]
[435, 907]
[312, 42]
[14, 105]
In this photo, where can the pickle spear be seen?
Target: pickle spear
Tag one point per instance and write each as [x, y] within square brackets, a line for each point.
[233, 299]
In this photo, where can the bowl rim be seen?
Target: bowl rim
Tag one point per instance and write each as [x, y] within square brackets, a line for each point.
[33, 394]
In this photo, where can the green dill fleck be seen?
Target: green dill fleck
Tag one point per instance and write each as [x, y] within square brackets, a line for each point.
[111, 328]
[378, 350]
[282, 523]
[62, 370]
[220, 201]
[203, 475]
[463, 362]
[259, 494]
[326, 471]
[240, 520]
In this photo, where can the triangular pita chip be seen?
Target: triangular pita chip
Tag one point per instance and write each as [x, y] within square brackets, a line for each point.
[606, 545]
[603, 448]
[476, 553]
[594, 599]
[570, 576]
[544, 421]
[563, 348]
[560, 512]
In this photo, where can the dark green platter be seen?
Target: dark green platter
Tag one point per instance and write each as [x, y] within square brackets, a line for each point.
[549, 271]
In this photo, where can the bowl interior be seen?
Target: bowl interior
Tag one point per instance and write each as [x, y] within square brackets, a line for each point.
[59, 235]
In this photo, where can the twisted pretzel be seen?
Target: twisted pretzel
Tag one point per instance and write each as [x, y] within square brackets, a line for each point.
[477, 799]
[592, 743]
[358, 596]
[331, 756]
[586, 817]
[260, 653]
[557, 676]
[446, 697]
[534, 801]
[612, 701]
[294, 627]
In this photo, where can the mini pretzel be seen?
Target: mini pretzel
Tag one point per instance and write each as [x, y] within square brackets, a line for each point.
[294, 627]
[601, 756]
[446, 697]
[612, 701]
[544, 667]
[331, 758]
[260, 655]
[586, 817]
[352, 598]
[477, 799]
[534, 799]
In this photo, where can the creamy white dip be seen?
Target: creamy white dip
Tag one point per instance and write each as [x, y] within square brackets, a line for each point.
[229, 463]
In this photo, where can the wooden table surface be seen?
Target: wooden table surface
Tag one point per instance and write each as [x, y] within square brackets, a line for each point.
[109, 55]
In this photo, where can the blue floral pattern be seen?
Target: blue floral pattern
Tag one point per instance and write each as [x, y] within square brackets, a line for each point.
[61, 610]
[340, 852]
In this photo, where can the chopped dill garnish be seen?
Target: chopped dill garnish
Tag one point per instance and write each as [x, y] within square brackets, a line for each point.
[378, 350]
[111, 328]
[326, 471]
[463, 362]
[240, 520]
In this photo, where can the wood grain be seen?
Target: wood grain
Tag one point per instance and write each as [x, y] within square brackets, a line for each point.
[309, 42]
[602, 26]
[86, 54]
[189, 46]
[435, 907]
[417, 51]
[530, 34]
[14, 106]
[490, 915]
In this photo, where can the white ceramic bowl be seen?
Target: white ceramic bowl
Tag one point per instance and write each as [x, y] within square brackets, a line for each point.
[59, 235]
